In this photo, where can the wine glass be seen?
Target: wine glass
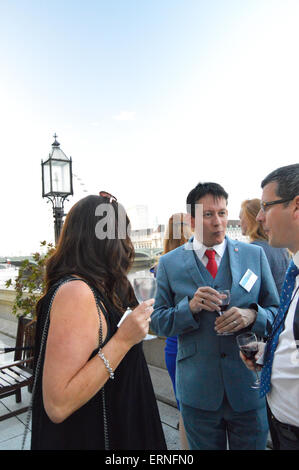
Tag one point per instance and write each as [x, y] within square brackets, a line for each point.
[248, 344]
[144, 288]
[224, 305]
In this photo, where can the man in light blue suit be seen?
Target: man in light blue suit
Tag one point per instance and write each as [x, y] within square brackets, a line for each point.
[213, 386]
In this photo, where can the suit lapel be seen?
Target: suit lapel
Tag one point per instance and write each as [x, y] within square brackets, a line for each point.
[190, 264]
[296, 325]
[235, 267]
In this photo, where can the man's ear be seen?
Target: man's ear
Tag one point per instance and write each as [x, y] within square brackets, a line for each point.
[296, 207]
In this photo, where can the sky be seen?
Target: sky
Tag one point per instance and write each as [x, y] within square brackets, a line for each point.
[148, 97]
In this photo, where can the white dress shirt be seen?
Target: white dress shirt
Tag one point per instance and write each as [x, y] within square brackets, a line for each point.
[200, 250]
[283, 397]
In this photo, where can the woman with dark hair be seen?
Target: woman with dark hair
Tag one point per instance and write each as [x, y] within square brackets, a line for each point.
[278, 258]
[92, 386]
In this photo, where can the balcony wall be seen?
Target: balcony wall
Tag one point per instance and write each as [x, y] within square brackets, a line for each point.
[7, 298]
[153, 348]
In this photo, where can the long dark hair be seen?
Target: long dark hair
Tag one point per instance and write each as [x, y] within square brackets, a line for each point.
[102, 261]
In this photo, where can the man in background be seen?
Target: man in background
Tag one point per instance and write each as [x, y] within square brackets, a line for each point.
[279, 216]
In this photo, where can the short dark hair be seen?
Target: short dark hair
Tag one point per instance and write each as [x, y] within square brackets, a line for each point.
[287, 179]
[201, 190]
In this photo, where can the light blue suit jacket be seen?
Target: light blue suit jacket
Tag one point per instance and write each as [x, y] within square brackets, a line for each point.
[209, 365]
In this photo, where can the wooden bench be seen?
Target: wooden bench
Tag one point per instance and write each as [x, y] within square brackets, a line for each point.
[17, 374]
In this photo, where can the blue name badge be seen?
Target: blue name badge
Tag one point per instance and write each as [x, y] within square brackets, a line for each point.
[248, 280]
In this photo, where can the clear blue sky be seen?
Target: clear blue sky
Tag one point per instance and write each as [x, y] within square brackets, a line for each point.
[148, 97]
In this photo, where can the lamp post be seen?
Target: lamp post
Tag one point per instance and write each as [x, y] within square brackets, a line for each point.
[57, 183]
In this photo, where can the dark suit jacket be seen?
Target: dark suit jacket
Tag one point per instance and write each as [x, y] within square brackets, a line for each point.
[296, 325]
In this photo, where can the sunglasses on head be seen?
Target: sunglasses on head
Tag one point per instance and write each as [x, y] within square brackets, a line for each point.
[108, 196]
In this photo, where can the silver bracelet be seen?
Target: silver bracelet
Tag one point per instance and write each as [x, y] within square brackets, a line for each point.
[107, 364]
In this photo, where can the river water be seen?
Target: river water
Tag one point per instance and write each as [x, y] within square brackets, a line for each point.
[7, 272]
[11, 272]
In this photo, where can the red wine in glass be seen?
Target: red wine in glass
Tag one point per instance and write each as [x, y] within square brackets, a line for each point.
[249, 351]
[226, 301]
[248, 344]
[223, 307]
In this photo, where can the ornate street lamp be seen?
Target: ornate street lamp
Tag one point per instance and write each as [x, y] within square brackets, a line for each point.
[57, 180]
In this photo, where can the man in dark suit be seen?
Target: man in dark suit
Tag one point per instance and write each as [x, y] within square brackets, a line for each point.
[279, 215]
[214, 388]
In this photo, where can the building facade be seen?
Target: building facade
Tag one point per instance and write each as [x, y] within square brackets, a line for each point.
[153, 238]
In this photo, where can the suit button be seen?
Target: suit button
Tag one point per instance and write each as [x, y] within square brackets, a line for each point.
[222, 355]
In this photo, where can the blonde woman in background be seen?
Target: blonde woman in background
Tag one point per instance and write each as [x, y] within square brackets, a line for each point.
[178, 232]
[278, 258]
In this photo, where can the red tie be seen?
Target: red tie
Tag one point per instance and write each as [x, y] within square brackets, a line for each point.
[212, 265]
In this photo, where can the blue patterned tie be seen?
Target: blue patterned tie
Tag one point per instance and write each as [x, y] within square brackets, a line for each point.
[285, 300]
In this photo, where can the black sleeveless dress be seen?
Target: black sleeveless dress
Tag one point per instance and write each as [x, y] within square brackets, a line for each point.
[133, 420]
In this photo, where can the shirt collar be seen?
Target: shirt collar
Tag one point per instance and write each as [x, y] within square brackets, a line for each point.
[200, 248]
[296, 259]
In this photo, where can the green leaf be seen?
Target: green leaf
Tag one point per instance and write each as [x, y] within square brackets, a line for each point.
[30, 282]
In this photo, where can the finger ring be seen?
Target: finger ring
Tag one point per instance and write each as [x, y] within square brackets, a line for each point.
[235, 322]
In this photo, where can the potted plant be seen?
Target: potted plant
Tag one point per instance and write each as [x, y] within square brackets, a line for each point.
[30, 282]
